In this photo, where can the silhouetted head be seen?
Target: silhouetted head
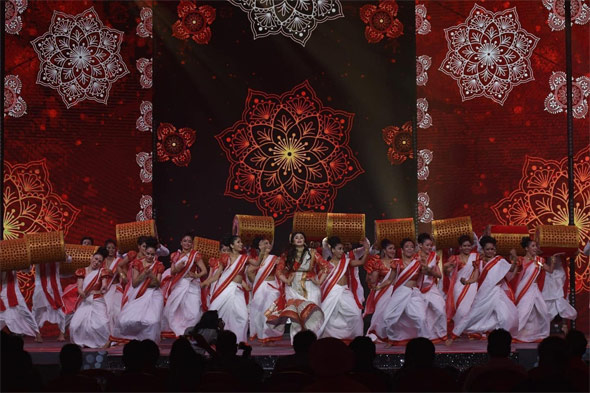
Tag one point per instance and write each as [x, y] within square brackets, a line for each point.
[419, 353]
[70, 359]
[330, 357]
[87, 241]
[303, 340]
[553, 353]
[499, 343]
[227, 343]
[209, 320]
[182, 353]
[151, 353]
[133, 356]
[364, 351]
[576, 343]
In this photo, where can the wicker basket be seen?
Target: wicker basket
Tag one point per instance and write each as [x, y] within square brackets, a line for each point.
[553, 239]
[14, 254]
[207, 248]
[446, 232]
[349, 227]
[128, 233]
[312, 224]
[249, 227]
[80, 255]
[395, 230]
[45, 247]
[508, 237]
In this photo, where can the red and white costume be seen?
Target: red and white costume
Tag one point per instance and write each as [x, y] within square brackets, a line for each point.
[555, 291]
[14, 312]
[114, 295]
[493, 306]
[435, 326]
[90, 323]
[182, 296]
[47, 296]
[375, 264]
[460, 297]
[533, 316]
[342, 305]
[265, 293]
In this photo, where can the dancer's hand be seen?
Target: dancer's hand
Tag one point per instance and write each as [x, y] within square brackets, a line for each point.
[463, 281]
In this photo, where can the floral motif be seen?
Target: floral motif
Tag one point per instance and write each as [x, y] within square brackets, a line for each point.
[422, 25]
[423, 63]
[542, 199]
[14, 104]
[381, 21]
[79, 57]
[293, 19]
[13, 9]
[489, 54]
[194, 22]
[144, 160]
[580, 13]
[424, 158]
[422, 116]
[144, 122]
[556, 101]
[289, 153]
[399, 140]
[144, 28]
[174, 144]
[31, 204]
[145, 204]
[144, 66]
[425, 214]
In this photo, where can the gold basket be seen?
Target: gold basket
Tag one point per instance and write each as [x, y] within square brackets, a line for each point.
[553, 239]
[446, 232]
[349, 227]
[395, 230]
[80, 255]
[46, 247]
[207, 248]
[128, 233]
[14, 254]
[312, 224]
[508, 238]
[249, 227]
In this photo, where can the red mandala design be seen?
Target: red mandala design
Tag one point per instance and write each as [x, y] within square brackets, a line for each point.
[174, 144]
[194, 22]
[289, 153]
[381, 21]
[13, 9]
[399, 141]
[542, 199]
[145, 204]
[580, 13]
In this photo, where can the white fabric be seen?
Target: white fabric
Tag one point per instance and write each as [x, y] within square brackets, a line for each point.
[261, 301]
[90, 323]
[435, 320]
[141, 317]
[533, 317]
[231, 307]
[42, 310]
[554, 296]
[19, 318]
[467, 300]
[342, 316]
[404, 314]
[113, 299]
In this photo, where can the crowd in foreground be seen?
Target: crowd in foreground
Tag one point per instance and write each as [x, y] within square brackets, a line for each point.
[318, 365]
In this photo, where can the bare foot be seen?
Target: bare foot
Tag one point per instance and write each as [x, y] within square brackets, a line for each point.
[38, 338]
[449, 342]
[61, 337]
[107, 345]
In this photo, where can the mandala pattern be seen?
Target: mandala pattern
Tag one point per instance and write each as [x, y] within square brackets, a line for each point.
[542, 199]
[289, 153]
[422, 25]
[144, 160]
[80, 57]
[14, 104]
[423, 63]
[144, 28]
[422, 116]
[381, 21]
[13, 9]
[144, 122]
[424, 159]
[489, 54]
[399, 142]
[293, 19]
[174, 144]
[194, 22]
[556, 101]
[580, 13]
[145, 204]
[425, 214]
[144, 66]
[30, 203]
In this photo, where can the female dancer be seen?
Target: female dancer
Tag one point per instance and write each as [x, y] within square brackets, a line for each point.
[90, 323]
[115, 283]
[14, 312]
[182, 297]
[47, 298]
[554, 292]
[266, 289]
[533, 316]
[379, 269]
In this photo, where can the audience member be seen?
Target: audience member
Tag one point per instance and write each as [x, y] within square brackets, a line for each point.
[17, 371]
[134, 378]
[551, 375]
[299, 361]
[70, 379]
[206, 332]
[578, 369]
[364, 370]
[186, 367]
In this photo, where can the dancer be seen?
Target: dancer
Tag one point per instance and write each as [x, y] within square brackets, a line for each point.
[533, 317]
[493, 306]
[554, 292]
[182, 297]
[436, 317]
[341, 299]
[90, 323]
[462, 270]
[266, 289]
[47, 298]
[116, 282]
[379, 269]
[14, 312]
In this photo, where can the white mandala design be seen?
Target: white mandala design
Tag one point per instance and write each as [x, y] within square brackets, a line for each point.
[423, 118]
[144, 28]
[295, 19]
[14, 104]
[580, 13]
[489, 54]
[425, 157]
[423, 63]
[422, 24]
[13, 9]
[144, 160]
[145, 204]
[79, 57]
[425, 214]
[144, 122]
[144, 66]
[556, 101]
